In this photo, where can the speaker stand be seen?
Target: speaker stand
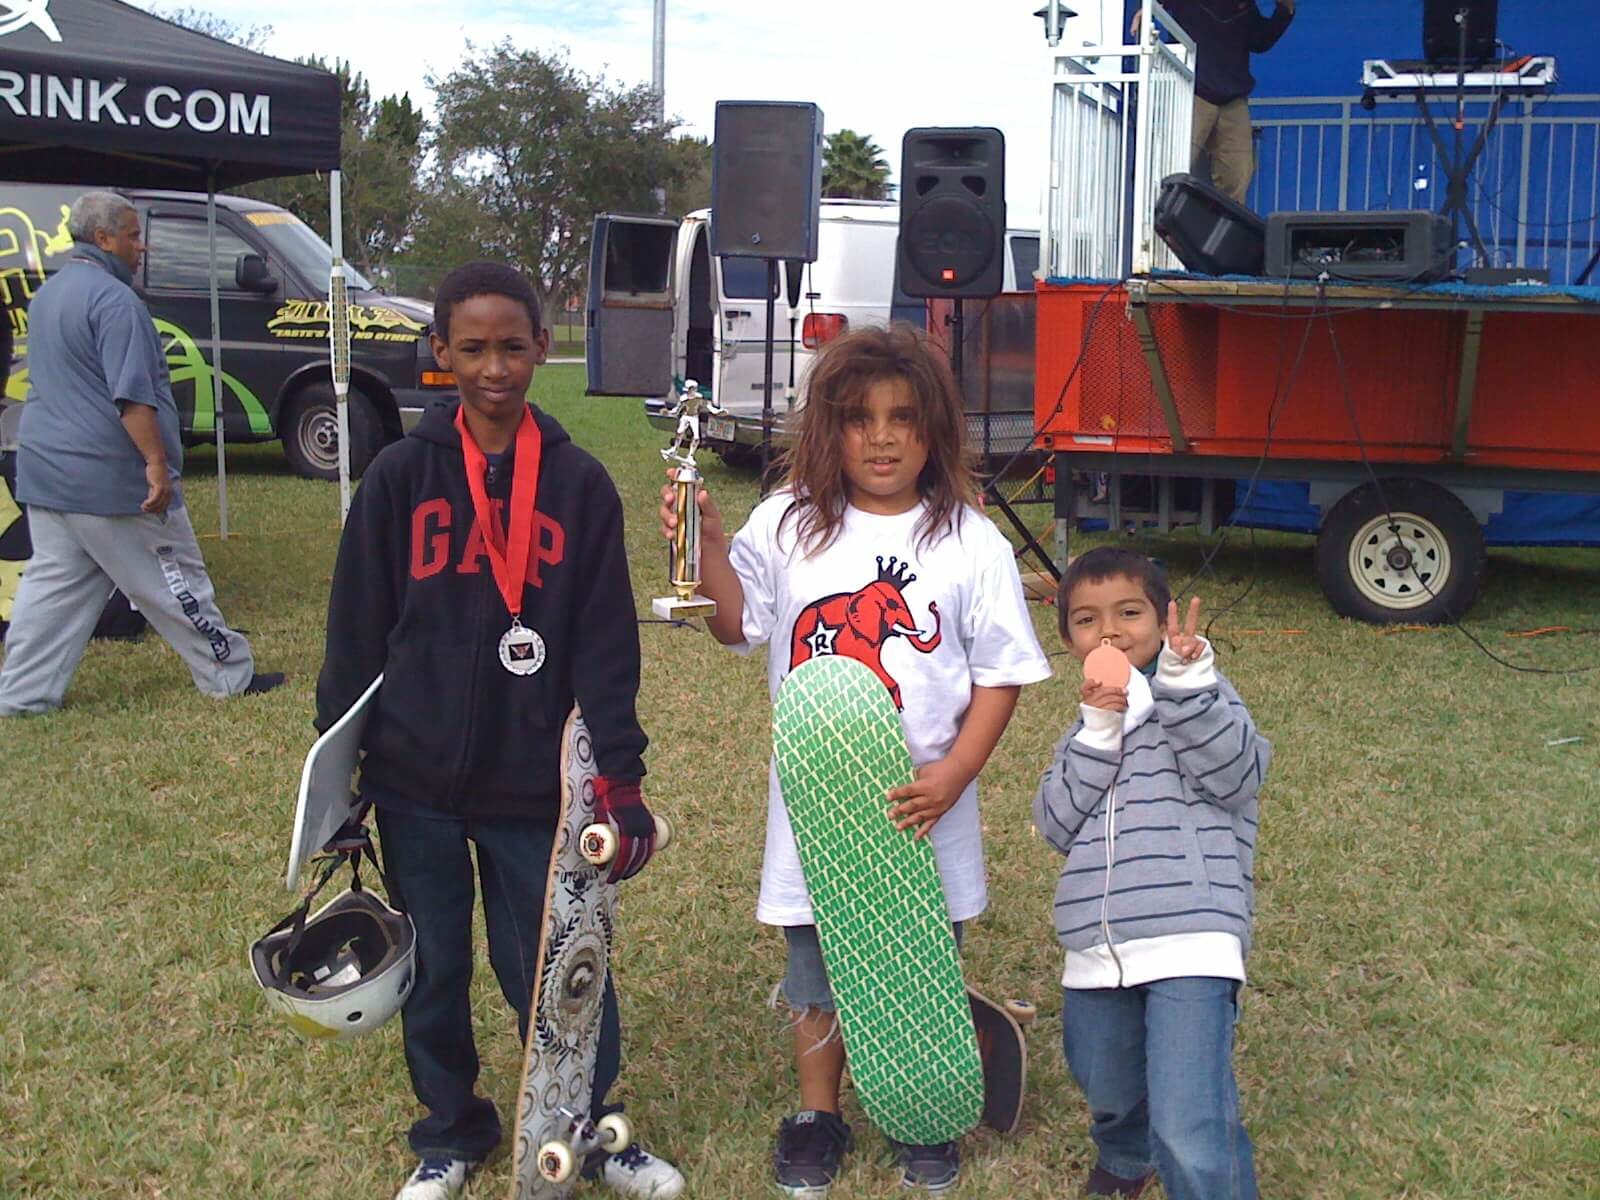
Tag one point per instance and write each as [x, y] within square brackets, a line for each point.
[1029, 542]
[1458, 168]
[766, 374]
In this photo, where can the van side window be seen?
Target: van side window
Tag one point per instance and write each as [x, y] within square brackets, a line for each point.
[744, 278]
[178, 256]
[1025, 261]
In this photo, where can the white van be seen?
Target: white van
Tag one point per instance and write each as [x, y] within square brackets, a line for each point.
[662, 308]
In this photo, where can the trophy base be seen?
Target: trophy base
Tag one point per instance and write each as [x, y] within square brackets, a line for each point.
[675, 608]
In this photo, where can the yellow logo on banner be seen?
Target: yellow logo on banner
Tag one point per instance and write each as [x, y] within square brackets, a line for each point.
[10, 568]
[24, 252]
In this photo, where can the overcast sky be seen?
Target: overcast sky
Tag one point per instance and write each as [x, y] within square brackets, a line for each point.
[879, 67]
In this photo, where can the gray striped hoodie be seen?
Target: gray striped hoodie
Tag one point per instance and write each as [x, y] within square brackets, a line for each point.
[1165, 886]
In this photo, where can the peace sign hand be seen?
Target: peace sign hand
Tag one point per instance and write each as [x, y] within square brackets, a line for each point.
[1185, 642]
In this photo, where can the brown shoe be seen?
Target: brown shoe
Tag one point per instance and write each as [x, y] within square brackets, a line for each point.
[1102, 1182]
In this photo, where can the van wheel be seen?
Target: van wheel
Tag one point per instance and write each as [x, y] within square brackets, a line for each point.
[310, 433]
[1420, 559]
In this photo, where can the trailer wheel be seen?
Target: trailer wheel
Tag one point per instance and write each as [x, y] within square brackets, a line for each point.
[1420, 559]
[310, 432]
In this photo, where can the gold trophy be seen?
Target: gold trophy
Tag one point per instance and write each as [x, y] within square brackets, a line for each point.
[684, 563]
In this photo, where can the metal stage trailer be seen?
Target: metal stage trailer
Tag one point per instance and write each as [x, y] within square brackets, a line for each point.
[1410, 410]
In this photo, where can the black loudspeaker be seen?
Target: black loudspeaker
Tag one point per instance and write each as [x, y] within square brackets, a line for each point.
[1209, 232]
[766, 180]
[1441, 36]
[1409, 245]
[952, 212]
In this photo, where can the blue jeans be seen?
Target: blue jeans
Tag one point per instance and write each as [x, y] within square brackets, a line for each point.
[1155, 1063]
[429, 870]
[805, 979]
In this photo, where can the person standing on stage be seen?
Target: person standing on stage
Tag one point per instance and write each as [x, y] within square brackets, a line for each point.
[1225, 34]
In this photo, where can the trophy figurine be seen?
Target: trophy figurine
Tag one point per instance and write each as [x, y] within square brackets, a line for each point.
[684, 562]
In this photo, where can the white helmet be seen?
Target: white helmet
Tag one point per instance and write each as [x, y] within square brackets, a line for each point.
[341, 973]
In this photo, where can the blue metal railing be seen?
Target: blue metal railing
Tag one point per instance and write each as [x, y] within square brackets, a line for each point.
[1536, 187]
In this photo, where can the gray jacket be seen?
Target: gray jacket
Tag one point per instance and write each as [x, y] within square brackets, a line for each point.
[1184, 827]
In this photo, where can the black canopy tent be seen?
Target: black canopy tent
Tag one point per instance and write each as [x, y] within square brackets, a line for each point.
[98, 92]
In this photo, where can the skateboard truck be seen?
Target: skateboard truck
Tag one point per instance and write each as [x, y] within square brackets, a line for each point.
[598, 842]
[578, 1138]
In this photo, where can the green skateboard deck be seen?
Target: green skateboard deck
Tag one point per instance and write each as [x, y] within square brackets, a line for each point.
[881, 918]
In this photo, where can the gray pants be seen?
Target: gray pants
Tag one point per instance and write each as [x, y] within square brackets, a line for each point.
[77, 558]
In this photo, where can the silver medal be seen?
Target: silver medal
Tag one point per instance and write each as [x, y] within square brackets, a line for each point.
[521, 650]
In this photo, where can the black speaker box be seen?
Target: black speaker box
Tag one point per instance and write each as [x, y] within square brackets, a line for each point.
[952, 212]
[1441, 36]
[1211, 233]
[766, 180]
[1409, 245]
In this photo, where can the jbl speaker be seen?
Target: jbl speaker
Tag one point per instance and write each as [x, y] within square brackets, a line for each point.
[952, 212]
[1210, 232]
[766, 180]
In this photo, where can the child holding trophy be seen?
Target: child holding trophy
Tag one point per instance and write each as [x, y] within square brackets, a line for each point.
[482, 571]
[874, 548]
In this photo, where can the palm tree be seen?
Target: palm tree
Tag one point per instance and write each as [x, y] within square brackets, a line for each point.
[853, 167]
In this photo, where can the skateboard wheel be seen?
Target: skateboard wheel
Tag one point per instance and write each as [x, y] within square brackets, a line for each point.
[1021, 1011]
[556, 1161]
[663, 833]
[616, 1135]
[598, 843]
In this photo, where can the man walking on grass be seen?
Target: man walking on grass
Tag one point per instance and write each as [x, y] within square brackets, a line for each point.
[98, 468]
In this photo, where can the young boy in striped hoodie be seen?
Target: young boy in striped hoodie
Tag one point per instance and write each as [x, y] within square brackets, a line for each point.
[1152, 797]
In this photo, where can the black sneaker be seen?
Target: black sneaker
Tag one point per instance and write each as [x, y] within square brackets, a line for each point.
[1102, 1182]
[263, 683]
[932, 1168]
[811, 1145]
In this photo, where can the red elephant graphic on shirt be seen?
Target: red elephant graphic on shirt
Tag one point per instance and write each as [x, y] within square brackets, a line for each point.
[859, 624]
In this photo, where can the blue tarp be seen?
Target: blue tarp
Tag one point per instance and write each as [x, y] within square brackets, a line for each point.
[1528, 518]
[1322, 52]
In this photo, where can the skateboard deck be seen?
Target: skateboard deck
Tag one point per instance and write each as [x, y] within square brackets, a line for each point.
[568, 990]
[327, 792]
[880, 908]
[1004, 1050]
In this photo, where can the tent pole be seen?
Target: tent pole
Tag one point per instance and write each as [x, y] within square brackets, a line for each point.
[216, 355]
[339, 340]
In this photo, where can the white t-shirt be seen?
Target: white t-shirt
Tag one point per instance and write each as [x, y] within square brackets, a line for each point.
[934, 622]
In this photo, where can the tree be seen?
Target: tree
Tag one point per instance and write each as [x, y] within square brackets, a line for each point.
[853, 167]
[693, 188]
[381, 154]
[542, 147]
[251, 37]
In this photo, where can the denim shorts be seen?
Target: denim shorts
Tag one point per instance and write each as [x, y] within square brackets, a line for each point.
[805, 981]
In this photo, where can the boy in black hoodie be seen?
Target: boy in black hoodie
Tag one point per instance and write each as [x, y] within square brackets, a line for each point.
[482, 571]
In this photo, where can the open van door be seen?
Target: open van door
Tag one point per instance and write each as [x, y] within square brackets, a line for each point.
[628, 315]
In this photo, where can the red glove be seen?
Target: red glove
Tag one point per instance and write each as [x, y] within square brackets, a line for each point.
[620, 804]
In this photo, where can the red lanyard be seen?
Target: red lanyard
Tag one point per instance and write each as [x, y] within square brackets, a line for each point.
[511, 563]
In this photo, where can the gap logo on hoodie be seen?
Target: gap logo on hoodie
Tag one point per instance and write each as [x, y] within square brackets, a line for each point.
[433, 520]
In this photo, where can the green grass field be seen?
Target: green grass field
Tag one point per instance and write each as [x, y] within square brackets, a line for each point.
[1423, 1016]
